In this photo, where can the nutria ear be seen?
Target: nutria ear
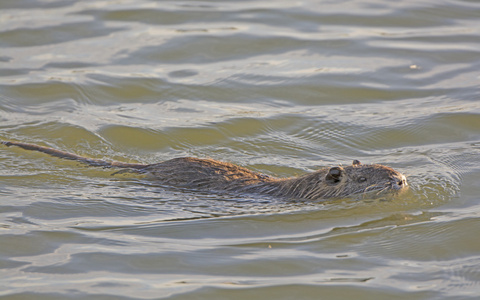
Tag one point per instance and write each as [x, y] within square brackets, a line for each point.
[356, 162]
[334, 175]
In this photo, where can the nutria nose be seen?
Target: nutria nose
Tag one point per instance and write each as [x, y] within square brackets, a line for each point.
[399, 183]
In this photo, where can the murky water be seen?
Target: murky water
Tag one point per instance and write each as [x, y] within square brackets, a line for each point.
[281, 87]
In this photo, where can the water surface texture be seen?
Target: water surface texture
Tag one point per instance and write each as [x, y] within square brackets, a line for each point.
[281, 87]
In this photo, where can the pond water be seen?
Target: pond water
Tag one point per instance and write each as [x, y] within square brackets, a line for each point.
[280, 87]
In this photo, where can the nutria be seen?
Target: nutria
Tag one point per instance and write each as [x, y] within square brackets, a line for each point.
[212, 175]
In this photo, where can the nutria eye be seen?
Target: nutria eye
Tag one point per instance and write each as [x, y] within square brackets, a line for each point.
[362, 179]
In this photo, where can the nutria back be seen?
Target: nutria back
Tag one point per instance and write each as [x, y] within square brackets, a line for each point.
[213, 175]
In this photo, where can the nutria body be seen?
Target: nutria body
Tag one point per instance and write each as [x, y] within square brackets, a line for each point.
[212, 175]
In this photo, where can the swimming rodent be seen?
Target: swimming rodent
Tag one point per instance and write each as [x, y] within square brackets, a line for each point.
[213, 175]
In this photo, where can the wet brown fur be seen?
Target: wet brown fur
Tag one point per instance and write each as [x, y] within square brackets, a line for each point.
[213, 175]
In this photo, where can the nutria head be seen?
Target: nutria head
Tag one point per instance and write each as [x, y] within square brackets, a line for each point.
[374, 177]
[345, 181]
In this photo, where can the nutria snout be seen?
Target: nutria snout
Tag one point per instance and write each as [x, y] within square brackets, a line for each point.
[213, 175]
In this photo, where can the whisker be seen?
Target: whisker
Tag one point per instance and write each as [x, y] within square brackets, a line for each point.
[382, 190]
[371, 187]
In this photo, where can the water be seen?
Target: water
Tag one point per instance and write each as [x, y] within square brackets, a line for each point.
[281, 87]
